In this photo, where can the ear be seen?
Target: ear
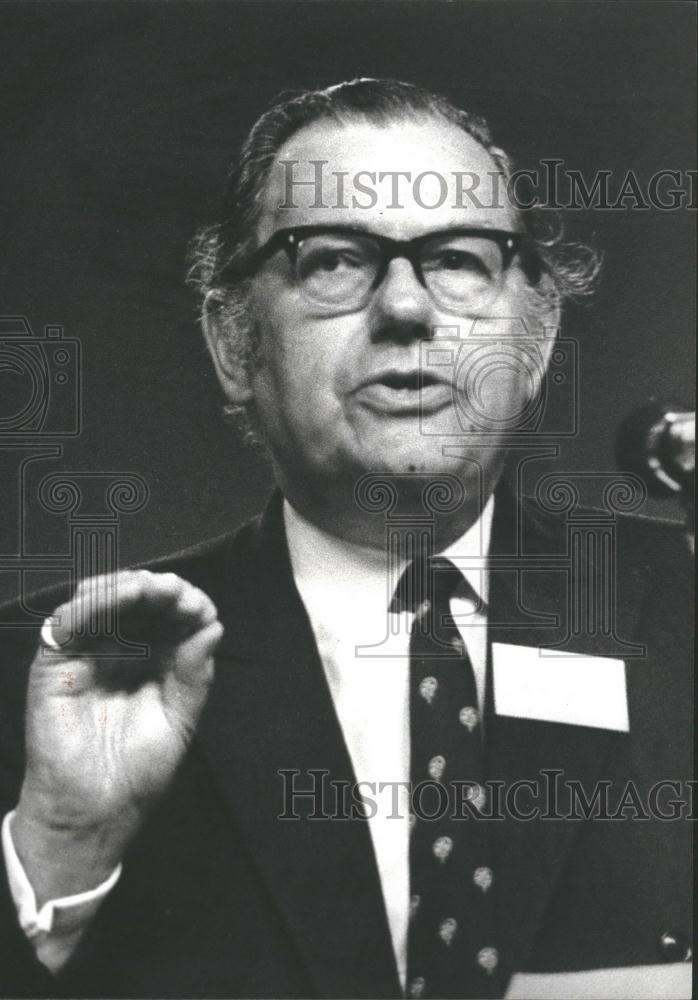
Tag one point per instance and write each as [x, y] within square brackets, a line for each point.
[548, 327]
[224, 347]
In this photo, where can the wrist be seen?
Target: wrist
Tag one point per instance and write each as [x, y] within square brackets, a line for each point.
[61, 858]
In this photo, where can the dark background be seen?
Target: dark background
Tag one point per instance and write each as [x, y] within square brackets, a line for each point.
[119, 121]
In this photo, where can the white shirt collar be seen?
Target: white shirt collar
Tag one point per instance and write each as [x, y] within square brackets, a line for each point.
[354, 573]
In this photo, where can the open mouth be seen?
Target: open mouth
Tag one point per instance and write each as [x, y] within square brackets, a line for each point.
[408, 393]
[408, 381]
[400, 381]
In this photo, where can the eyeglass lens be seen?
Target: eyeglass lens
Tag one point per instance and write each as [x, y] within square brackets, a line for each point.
[340, 269]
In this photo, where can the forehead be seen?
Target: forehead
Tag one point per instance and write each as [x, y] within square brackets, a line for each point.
[400, 179]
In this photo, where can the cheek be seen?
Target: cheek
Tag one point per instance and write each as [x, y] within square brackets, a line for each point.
[498, 384]
[502, 364]
[498, 397]
[301, 367]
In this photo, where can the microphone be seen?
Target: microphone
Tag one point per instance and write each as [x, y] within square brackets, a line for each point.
[657, 442]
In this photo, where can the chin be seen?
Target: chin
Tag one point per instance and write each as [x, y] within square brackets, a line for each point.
[401, 460]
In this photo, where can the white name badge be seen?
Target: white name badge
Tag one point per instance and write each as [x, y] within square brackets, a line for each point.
[642, 982]
[532, 683]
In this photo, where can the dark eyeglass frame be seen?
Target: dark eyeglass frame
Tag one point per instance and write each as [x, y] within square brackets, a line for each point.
[289, 240]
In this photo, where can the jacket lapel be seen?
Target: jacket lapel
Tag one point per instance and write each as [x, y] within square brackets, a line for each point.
[270, 727]
[271, 713]
[529, 606]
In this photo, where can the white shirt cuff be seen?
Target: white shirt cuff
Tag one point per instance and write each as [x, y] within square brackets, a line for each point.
[64, 918]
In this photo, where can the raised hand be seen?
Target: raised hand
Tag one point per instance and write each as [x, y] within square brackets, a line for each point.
[106, 733]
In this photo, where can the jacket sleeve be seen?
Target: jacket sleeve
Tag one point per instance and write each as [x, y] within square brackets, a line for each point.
[21, 972]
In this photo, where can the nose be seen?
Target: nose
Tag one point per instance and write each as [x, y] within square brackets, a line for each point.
[401, 306]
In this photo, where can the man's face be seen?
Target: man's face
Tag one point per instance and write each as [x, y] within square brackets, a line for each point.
[338, 394]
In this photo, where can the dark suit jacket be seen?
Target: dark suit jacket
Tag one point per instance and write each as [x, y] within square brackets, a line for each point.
[220, 897]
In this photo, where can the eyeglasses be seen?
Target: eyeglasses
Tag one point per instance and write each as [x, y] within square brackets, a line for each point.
[339, 268]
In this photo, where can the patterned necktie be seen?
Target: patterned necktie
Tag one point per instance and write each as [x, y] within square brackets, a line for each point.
[450, 940]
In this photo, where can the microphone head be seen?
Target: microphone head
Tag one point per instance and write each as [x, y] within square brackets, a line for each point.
[657, 443]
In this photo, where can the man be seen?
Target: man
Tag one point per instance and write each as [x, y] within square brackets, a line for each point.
[206, 821]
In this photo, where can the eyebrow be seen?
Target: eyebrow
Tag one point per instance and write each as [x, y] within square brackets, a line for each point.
[365, 231]
[359, 230]
[509, 237]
